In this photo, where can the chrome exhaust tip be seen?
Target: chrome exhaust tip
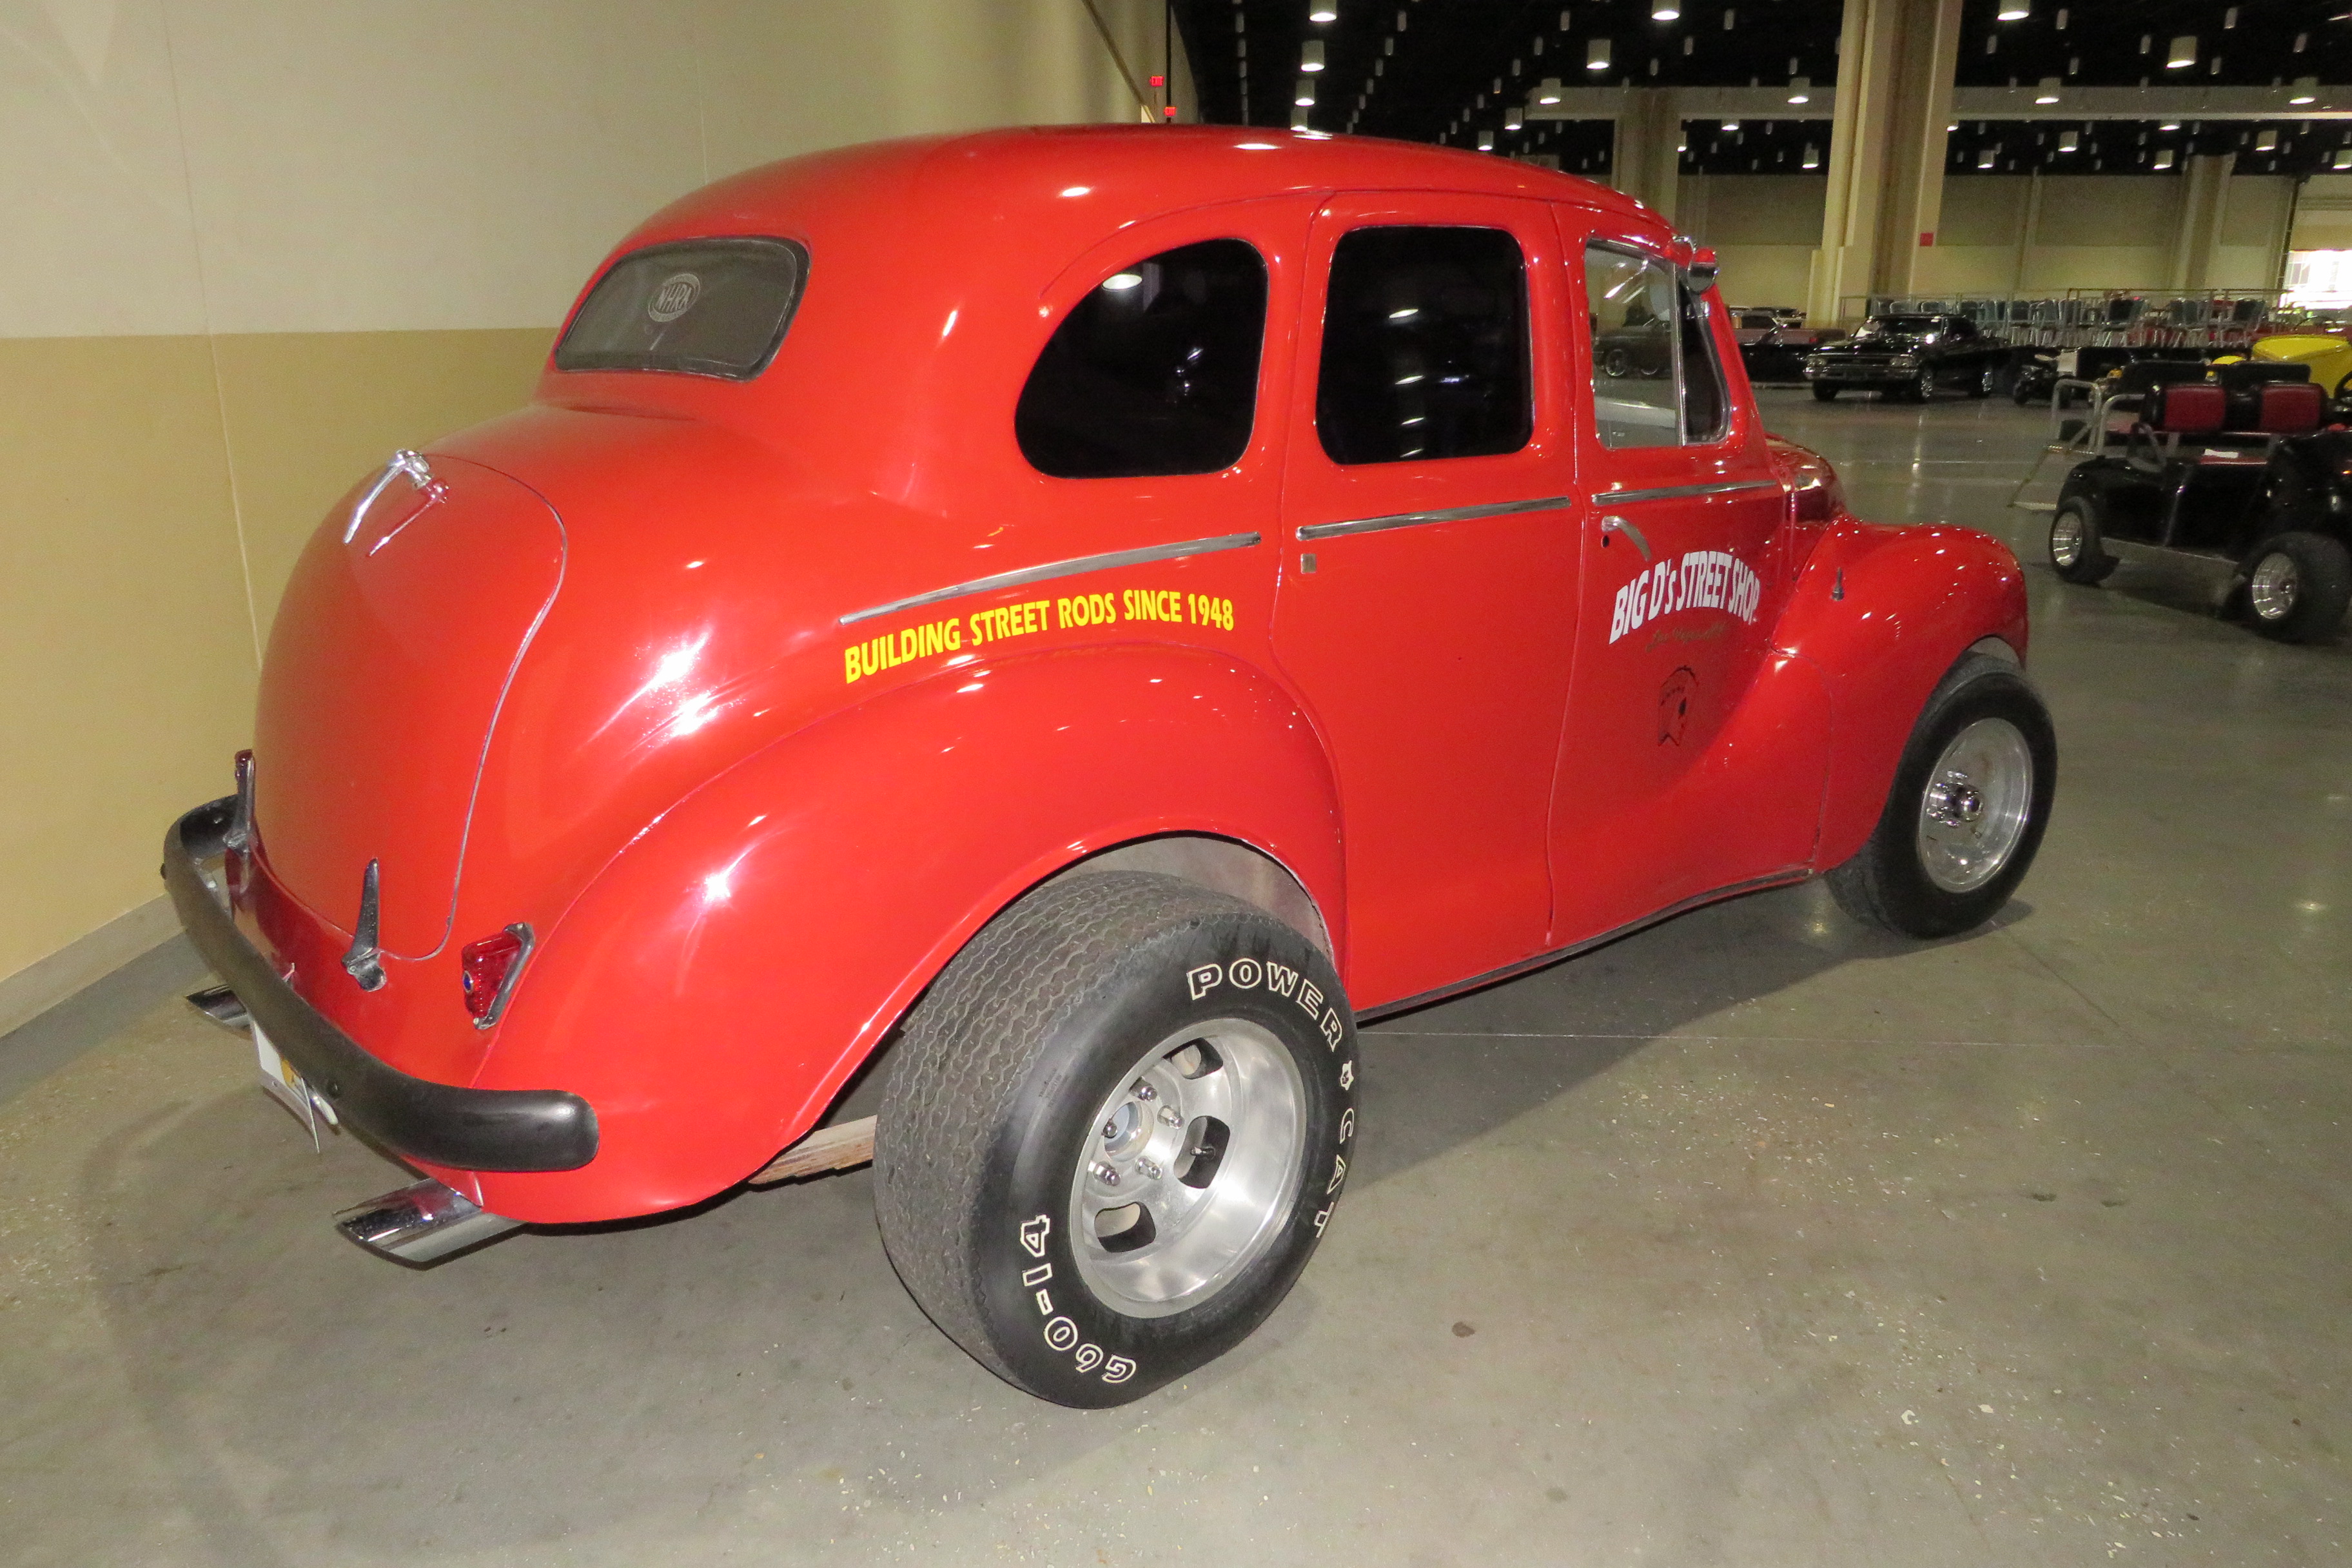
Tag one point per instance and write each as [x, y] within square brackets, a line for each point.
[219, 1004]
[421, 1223]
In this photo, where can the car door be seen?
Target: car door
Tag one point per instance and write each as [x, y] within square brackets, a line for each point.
[1427, 601]
[1679, 518]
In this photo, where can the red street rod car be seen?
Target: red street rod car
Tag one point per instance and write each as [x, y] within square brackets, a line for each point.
[1097, 613]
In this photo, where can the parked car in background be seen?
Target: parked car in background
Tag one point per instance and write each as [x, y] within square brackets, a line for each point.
[1909, 357]
[1079, 682]
[1774, 341]
[2330, 355]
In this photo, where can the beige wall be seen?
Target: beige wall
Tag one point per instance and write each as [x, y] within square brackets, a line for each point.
[2085, 231]
[253, 245]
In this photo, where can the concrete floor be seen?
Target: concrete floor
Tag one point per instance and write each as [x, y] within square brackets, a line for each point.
[1750, 1240]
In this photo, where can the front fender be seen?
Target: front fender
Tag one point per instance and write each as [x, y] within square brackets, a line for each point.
[1884, 613]
[720, 980]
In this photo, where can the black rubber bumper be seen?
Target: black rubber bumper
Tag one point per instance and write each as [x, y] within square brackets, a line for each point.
[439, 1123]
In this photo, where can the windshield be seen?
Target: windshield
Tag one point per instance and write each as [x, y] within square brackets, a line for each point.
[1897, 327]
[701, 307]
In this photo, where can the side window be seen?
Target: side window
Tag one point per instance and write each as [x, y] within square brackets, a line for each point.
[1154, 373]
[1705, 407]
[1655, 378]
[1425, 351]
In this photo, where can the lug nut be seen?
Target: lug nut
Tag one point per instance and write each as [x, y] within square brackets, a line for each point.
[1103, 1172]
[1143, 1091]
[1168, 1117]
[1149, 1168]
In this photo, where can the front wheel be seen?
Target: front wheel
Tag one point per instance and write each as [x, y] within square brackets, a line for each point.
[1114, 1133]
[1824, 392]
[2075, 552]
[2297, 585]
[1965, 817]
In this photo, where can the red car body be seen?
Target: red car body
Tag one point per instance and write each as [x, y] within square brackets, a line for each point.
[615, 676]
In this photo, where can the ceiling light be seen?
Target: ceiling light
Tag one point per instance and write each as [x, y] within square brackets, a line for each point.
[1732, 125]
[1310, 55]
[1985, 159]
[2266, 142]
[1549, 92]
[1304, 97]
[2304, 90]
[1596, 55]
[2049, 93]
[2068, 141]
[1663, 10]
[2343, 159]
[1512, 121]
[1486, 141]
[1797, 90]
[1812, 156]
[2164, 158]
[2014, 10]
[1299, 120]
[2170, 125]
[2183, 52]
[1322, 11]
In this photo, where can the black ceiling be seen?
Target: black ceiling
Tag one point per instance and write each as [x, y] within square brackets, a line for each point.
[1447, 70]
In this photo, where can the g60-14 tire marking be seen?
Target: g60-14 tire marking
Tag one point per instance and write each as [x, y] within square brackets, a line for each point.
[1061, 1332]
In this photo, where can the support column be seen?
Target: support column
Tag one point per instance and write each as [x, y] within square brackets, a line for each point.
[1896, 60]
[1646, 161]
[2204, 203]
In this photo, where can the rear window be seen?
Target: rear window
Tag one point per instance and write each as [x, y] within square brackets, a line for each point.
[701, 306]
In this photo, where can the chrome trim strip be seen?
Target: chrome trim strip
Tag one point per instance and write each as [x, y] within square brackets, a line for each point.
[1676, 492]
[1315, 530]
[1069, 568]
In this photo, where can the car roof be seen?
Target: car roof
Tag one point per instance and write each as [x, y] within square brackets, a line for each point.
[1123, 173]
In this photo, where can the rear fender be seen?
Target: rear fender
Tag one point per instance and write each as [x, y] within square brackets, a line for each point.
[1884, 613]
[717, 984]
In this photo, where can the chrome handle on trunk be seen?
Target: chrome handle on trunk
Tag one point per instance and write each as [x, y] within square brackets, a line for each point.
[420, 474]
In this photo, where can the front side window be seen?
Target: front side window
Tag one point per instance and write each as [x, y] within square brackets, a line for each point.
[1153, 372]
[703, 307]
[1425, 352]
[1655, 379]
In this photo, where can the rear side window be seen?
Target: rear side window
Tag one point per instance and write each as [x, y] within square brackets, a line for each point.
[704, 307]
[1425, 352]
[1155, 372]
[1655, 379]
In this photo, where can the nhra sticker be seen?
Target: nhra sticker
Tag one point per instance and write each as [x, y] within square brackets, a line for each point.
[675, 298]
[1702, 580]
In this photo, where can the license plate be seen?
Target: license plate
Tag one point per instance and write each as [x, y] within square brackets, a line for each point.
[290, 1089]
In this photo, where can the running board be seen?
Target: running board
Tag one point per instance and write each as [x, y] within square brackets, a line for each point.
[826, 1148]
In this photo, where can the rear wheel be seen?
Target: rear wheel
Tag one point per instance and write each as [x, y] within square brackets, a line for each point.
[2075, 552]
[1824, 392]
[1115, 1131]
[2297, 587]
[1965, 817]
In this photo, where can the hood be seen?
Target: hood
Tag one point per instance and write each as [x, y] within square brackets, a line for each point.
[388, 662]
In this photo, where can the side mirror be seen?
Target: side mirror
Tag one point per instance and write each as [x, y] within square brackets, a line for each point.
[1701, 271]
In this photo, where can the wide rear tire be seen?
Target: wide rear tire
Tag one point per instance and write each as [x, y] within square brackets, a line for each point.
[1965, 817]
[1114, 1132]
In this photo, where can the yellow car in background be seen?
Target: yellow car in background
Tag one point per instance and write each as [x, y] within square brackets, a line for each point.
[2329, 354]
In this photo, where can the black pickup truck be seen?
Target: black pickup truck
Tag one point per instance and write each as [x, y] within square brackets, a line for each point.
[1909, 357]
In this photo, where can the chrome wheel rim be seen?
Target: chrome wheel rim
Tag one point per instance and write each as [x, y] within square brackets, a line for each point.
[2272, 587]
[1974, 811]
[2066, 538]
[1189, 1168]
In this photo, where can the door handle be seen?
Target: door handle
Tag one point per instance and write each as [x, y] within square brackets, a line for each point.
[1612, 523]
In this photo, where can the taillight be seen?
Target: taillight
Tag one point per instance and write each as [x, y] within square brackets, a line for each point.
[488, 969]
